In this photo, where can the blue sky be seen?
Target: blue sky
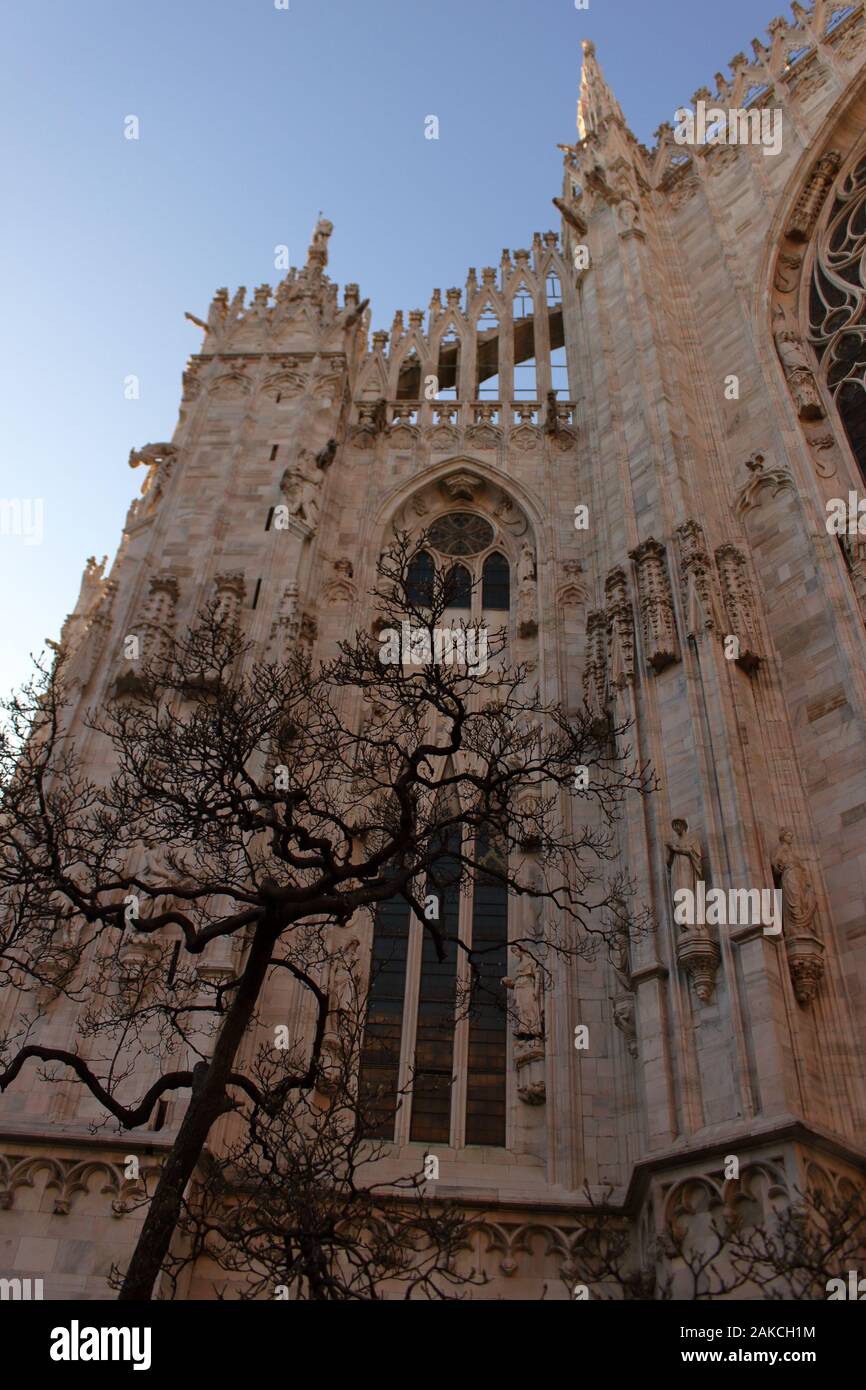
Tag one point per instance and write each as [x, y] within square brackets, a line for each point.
[252, 119]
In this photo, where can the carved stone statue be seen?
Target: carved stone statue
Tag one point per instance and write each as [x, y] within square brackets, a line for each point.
[656, 604]
[628, 216]
[317, 254]
[527, 603]
[526, 565]
[798, 371]
[284, 629]
[809, 203]
[803, 946]
[526, 984]
[697, 951]
[798, 895]
[302, 494]
[685, 858]
[624, 1018]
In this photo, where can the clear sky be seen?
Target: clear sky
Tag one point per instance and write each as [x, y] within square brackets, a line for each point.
[251, 120]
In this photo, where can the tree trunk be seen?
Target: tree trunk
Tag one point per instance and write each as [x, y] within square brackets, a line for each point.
[207, 1103]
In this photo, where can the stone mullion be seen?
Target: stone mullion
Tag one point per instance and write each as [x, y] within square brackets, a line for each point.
[411, 1000]
[541, 326]
[506, 361]
[469, 361]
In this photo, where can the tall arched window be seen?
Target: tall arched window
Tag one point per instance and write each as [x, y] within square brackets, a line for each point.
[419, 579]
[444, 1023]
[495, 583]
[525, 373]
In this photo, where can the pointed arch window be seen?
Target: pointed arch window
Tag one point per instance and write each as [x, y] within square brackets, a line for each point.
[525, 370]
[409, 380]
[487, 371]
[419, 579]
[449, 367]
[496, 583]
[434, 1054]
[458, 589]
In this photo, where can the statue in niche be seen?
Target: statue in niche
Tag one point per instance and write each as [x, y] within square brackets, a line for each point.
[627, 212]
[624, 1015]
[526, 565]
[685, 859]
[301, 492]
[797, 368]
[526, 984]
[799, 905]
[527, 606]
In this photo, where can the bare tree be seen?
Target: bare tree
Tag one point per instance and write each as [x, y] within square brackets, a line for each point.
[297, 1206]
[792, 1250]
[255, 806]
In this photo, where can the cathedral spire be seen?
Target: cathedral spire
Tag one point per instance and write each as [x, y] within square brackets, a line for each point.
[596, 102]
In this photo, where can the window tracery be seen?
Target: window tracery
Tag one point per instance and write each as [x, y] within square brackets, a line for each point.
[460, 533]
[837, 306]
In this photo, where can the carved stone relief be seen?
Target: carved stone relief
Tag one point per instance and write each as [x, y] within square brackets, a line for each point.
[656, 604]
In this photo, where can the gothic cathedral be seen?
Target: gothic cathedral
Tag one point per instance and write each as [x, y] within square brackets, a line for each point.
[630, 435]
